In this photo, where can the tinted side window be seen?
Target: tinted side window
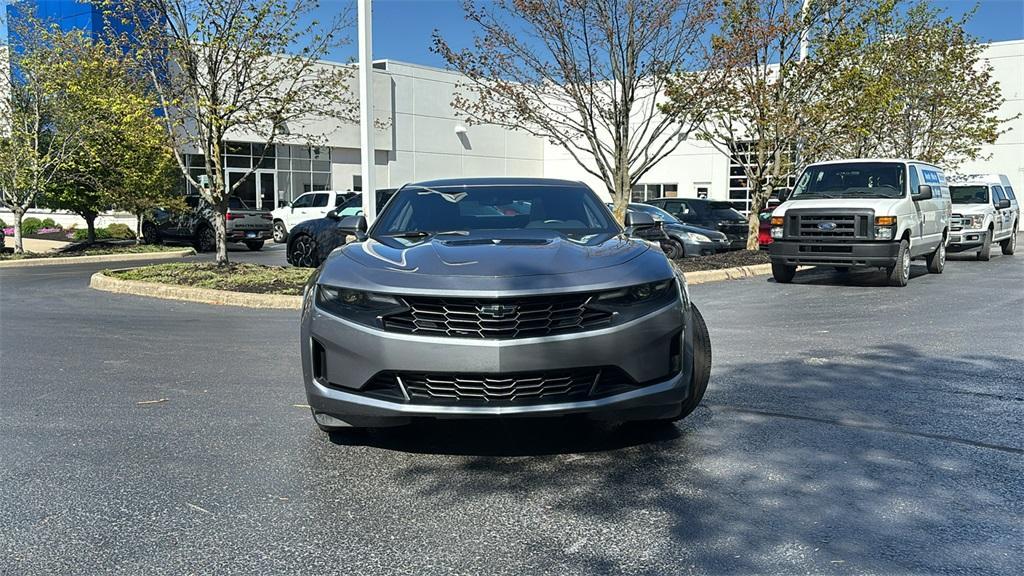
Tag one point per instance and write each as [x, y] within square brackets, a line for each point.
[320, 200]
[915, 180]
[997, 193]
[303, 201]
[1009, 193]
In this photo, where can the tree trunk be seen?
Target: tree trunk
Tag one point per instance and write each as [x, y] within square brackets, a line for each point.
[90, 223]
[753, 228]
[221, 228]
[138, 228]
[19, 245]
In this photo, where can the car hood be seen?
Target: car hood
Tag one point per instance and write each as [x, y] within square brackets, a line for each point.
[881, 206]
[971, 208]
[518, 260]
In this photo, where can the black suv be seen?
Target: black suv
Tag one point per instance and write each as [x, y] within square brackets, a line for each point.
[713, 214]
[196, 225]
[311, 241]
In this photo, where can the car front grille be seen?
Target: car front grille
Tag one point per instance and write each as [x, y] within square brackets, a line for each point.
[829, 226]
[499, 389]
[957, 222]
[497, 318]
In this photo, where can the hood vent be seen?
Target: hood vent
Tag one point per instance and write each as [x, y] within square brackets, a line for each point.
[498, 242]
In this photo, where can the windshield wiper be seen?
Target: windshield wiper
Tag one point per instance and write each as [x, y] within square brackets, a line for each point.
[806, 194]
[425, 234]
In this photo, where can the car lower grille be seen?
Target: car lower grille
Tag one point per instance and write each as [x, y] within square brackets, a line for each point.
[829, 226]
[498, 389]
[497, 318]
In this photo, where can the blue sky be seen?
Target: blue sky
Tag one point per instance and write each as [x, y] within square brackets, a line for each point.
[402, 28]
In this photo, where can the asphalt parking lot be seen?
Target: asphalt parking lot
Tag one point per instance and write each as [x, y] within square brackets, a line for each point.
[848, 428]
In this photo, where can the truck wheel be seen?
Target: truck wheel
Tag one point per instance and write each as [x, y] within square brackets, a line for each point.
[280, 234]
[205, 240]
[150, 233]
[985, 254]
[254, 245]
[1010, 244]
[782, 273]
[937, 259]
[899, 274]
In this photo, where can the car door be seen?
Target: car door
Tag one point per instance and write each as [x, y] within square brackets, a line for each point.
[298, 210]
[919, 226]
[999, 223]
[320, 206]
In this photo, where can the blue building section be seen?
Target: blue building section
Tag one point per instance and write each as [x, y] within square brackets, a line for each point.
[67, 14]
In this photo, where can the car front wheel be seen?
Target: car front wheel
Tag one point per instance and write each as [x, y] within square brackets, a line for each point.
[280, 234]
[1010, 244]
[206, 239]
[303, 252]
[701, 372]
[150, 234]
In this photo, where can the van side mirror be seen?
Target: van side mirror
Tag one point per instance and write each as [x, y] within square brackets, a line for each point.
[924, 192]
[1003, 204]
[353, 226]
[783, 195]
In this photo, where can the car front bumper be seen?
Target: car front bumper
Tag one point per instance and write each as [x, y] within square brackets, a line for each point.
[353, 354]
[249, 235]
[796, 253]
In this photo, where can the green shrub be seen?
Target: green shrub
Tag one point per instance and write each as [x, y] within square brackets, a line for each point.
[49, 223]
[120, 231]
[31, 225]
[2, 223]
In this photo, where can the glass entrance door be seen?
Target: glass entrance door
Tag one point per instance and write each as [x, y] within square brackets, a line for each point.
[246, 190]
[267, 182]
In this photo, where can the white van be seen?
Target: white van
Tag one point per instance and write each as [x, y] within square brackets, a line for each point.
[864, 212]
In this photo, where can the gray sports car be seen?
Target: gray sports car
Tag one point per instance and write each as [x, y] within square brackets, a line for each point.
[499, 297]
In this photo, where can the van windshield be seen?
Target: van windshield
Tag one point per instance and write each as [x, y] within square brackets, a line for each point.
[969, 194]
[852, 180]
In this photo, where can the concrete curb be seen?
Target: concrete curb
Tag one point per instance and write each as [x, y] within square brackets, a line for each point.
[705, 276]
[59, 260]
[101, 281]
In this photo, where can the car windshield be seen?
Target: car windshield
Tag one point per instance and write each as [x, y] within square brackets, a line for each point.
[654, 211]
[969, 194]
[852, 180]
[419, 211]
[724, 211]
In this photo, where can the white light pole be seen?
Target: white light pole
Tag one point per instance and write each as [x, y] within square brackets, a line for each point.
[366, 144]
[803, 30]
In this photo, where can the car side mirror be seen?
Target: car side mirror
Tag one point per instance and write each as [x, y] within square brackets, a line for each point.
[283, 204]
[638, 221]
[1003, 204]
[333, 215]
[353, 226]
[924, 192]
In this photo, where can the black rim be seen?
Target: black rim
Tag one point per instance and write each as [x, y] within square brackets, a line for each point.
[303, 252]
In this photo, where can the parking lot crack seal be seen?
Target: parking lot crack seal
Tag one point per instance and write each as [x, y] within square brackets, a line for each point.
[868, 426]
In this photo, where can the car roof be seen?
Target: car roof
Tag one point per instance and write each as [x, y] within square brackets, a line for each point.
[496, 181]
[852, 160]
[971, 182]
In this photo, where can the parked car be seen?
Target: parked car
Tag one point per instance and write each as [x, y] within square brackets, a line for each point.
[985, 211]
[195, 225]
[308, 206]
[684, 240]
[847, 213]
[764, 218]
[441, 311]
[311, 241]
[710, 214]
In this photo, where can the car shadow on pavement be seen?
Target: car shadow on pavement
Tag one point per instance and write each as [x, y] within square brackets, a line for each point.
[858, 277]
[893, 460]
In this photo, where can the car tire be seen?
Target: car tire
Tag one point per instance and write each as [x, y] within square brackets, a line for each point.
[783, 273]
[303, 252]
[673, 249]
[937, 259]
[280, 234]
[985, 253]
[899, 275]
[205, 240]
[254, 245]
[700, 374]
[150, 233]
[1010, 244]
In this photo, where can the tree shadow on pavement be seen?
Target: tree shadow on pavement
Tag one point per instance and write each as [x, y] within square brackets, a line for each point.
[888, 461]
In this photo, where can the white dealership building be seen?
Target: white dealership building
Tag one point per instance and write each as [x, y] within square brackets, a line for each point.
[421, 137]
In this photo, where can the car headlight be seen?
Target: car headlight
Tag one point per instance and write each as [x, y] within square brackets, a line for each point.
[976, 221]
[636, 301]
[356, 305]
[776, 232]
[699, 237]
[885, 227]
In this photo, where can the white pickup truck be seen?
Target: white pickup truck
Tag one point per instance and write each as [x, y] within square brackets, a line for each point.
[985, 211]
[308, 206]
[865, 212]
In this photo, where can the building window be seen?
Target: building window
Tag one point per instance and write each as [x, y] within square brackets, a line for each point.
[302, 169]
[645, 192]
[739, 187]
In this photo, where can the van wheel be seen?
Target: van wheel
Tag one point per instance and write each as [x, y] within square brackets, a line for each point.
[782, 273]
[985, 254]
[1010, 244]
[899, 274]
[937, 259]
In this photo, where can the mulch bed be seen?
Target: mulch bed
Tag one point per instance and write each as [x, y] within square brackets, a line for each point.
[722, 260]
[255, 278]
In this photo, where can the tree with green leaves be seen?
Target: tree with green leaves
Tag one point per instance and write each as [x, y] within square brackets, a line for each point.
[247, 69]
[759, 116]
[588, 77]
[43, 129]
[911, 84]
